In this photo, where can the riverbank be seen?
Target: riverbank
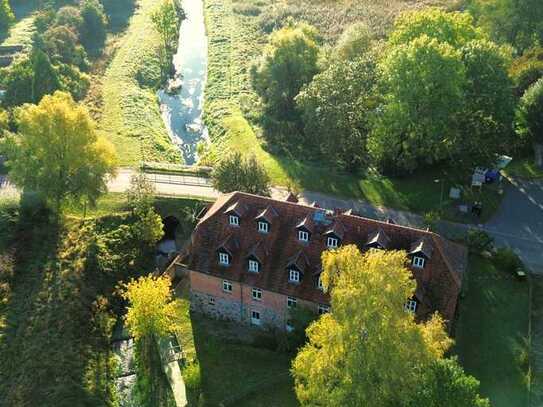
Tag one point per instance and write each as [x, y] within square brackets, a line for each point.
[130, 115]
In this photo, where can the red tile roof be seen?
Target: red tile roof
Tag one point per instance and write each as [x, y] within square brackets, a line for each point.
[438, 283]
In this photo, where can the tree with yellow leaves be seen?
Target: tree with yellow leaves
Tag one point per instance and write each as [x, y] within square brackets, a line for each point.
[152, 310]
[57, 152]
[151, 315]
[367, 351]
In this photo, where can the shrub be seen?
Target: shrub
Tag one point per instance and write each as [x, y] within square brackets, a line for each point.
[507, 260]
[478, 240]
[235, 173]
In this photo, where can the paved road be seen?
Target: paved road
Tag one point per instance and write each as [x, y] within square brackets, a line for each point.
[519, 221]
[517, 224]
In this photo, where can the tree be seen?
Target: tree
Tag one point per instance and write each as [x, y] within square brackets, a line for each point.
[7, 18]
[448, 96]
[446, 385]
[519, 23]
[44, 79]
[424, 80]
[235, 173]
[486, 123]
[288, 63]
[151, 315]
[367, 351]
[58, 154]
[455, 29]
[61, 44]
[92, 32]
[336, 108]
[152, 311]
[529, 119]
[355, 41]
[166, 20]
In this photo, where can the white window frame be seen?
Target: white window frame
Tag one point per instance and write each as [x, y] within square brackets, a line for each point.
[224, 259]
[410, 306]
[256, 294]
[319, 283]
[289, 327]
[255, 317]
[323, 309]
[263, 227]
[233, 220]
[227, 286]
[211, 301]
[332, 242]
[303, 236]
[253, 266]
[291, 274]
[291, 302]
[418, 262]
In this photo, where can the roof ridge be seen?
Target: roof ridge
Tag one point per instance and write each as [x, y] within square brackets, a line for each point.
[445, 258]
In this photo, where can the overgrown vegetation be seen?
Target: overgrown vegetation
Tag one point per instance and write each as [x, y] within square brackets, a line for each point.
[59, 302]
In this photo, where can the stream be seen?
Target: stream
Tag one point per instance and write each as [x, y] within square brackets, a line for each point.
[182, 110]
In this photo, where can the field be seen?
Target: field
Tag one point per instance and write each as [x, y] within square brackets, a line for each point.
[492, 333]
[237, 32]
[129, 113]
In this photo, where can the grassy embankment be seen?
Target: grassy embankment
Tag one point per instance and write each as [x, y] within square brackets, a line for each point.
[129, 113]
[237, 32]
[524, 168]
[58, 301]
[492, 333]
[21, 32]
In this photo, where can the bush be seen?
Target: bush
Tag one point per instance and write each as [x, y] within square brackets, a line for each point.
[507, 260]
[478, 240]
[93, 28]
[235, 173]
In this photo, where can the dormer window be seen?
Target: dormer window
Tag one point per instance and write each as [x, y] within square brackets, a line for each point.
[224, 259]
[234, 220]
[410, 306]
[319, 284]
[323, 309]
[254, 267]
[332, 242]
[263, 227]
[293, 276]
[418, 262]
[303, 236]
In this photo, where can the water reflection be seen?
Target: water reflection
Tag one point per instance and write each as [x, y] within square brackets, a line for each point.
[182, 112]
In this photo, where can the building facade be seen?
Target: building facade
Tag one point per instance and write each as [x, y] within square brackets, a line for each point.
[254, 259]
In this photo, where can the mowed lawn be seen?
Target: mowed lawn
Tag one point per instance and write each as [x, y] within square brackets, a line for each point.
[231, 370]
[492, 333]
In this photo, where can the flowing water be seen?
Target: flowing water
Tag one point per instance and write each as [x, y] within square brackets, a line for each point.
[182, 110]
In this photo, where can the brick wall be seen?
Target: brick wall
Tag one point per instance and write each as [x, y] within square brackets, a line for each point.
[208, 296]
